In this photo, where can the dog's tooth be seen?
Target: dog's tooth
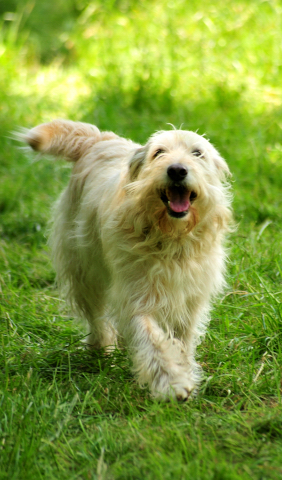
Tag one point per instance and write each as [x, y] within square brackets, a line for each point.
[168, 203]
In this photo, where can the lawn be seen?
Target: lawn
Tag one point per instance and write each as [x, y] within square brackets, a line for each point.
[134, 67]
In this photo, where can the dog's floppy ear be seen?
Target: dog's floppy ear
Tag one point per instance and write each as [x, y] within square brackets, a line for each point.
[136, 162]
[221, 165]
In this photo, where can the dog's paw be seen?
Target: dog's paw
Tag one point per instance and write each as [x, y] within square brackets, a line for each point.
[179, 388]
[107, 340]
[182, 393]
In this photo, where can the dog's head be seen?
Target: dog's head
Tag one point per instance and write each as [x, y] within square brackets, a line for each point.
[179, 175]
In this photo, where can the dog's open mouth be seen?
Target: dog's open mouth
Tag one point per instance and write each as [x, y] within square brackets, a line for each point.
[177, 199]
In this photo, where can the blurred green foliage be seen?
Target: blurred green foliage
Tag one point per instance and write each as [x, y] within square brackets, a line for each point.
[208, 66]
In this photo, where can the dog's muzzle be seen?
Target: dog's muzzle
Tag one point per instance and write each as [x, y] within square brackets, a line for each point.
[176, 196]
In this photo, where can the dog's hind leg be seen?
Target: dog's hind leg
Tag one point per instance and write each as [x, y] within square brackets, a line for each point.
[159, 360]
[90, 304]
[102, 334]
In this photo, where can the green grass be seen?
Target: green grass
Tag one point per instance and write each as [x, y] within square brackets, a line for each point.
[133, 67]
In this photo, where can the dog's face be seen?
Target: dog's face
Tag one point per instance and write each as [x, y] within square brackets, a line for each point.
[182, 171]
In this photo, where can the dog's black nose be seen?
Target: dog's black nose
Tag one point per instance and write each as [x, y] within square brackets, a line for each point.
[177, 172]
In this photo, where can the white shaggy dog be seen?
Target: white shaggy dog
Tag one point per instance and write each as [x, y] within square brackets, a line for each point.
[138, 243]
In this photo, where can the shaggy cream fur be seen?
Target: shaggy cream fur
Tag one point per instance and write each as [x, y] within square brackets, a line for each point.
[137, 243]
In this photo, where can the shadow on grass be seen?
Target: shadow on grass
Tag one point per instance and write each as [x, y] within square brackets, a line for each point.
[270, 427]
[74, 362]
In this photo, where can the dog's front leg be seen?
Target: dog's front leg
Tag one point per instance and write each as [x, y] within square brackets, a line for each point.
[158, 360]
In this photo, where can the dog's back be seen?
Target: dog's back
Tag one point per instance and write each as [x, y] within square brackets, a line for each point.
[100, 162]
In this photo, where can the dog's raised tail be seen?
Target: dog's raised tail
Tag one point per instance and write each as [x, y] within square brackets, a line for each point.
[64, 138]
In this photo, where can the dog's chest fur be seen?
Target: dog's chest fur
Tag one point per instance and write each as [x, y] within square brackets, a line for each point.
[166, 282]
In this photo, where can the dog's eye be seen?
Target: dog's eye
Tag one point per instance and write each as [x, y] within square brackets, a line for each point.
[158, 152]
[197, 153]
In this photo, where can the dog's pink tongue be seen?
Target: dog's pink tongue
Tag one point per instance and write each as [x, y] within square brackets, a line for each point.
[179, 203]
